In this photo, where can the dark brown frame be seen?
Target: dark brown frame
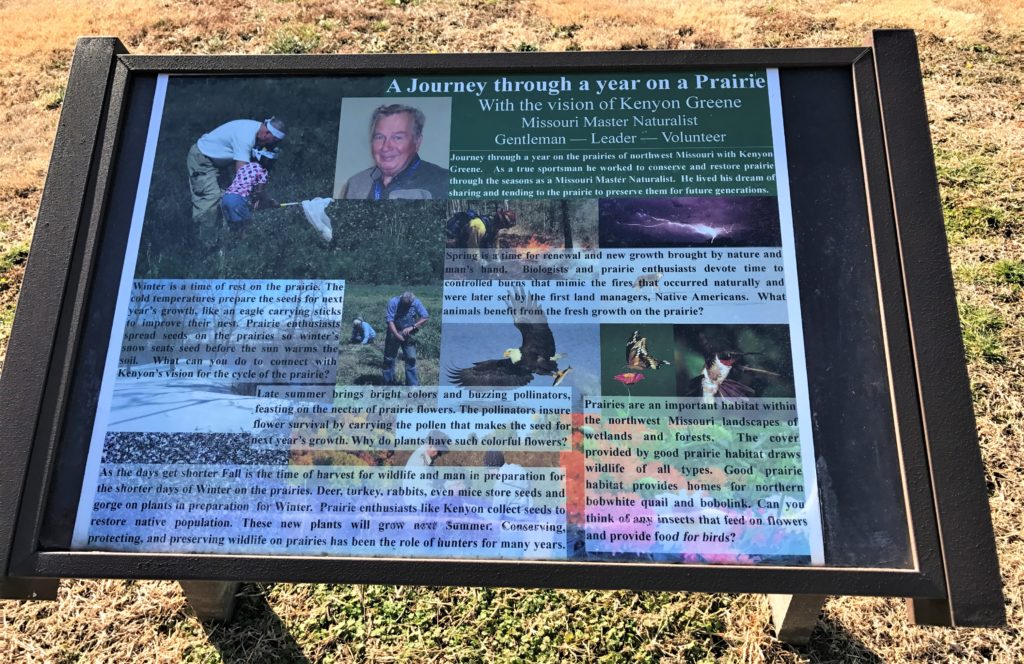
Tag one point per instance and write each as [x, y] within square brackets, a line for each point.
[955, 579]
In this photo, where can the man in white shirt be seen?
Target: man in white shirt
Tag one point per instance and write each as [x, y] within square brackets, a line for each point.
[225, 149]
[420, 481]
[512, 487]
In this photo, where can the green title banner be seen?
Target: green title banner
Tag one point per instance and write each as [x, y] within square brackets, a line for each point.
[652, 134]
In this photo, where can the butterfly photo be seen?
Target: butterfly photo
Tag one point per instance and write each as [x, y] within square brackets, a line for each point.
[638, 360]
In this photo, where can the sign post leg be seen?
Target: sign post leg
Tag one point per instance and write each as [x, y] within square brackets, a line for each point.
[213, 601]
[795, 616]
[22, 588]
[935, 612]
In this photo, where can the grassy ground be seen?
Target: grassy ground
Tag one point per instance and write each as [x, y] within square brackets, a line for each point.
[973, 61]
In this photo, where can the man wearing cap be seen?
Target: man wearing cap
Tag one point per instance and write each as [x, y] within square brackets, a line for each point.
[396, 132]
[225, 149]
[425, 455]
[405, 315]
[362, 332]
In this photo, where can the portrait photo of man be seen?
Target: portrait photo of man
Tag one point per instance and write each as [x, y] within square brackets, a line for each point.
[401, 152]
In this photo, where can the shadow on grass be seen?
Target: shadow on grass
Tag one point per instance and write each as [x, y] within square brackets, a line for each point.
[832, 642]
[255, 634]
[368, 379]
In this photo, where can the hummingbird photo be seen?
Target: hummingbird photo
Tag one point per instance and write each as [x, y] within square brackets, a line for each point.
[713, 380]
[727, 373]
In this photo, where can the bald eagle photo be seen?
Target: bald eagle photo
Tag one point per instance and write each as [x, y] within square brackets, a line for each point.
[536, 355]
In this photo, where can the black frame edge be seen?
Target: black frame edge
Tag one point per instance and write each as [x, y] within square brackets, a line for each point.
[896, 324]
[488, 573]
[961, 503]
[35, 332]
[74, 319]
[474, 62]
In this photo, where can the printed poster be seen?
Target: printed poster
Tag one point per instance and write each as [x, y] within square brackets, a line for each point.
[549, 317]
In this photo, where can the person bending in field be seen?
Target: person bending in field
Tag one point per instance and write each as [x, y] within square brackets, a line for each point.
[222, 152]
[405, 316]
[362, 332]
[246, 191]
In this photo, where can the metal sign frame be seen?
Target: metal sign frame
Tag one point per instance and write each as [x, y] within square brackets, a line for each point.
[955, 577]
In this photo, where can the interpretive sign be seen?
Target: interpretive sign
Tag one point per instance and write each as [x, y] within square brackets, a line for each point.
[515, 314]
[616, 371]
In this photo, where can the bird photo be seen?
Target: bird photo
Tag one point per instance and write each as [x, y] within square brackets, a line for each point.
[714, 382]
[734, 362]
[536, 356]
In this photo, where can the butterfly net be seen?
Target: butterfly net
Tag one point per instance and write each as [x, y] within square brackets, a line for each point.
[316, 214]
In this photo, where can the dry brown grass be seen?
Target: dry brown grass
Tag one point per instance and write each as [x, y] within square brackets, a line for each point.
[973, 60]
[615, 24]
